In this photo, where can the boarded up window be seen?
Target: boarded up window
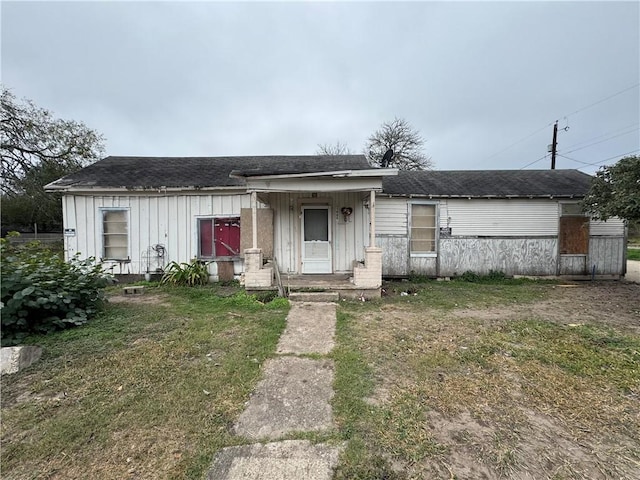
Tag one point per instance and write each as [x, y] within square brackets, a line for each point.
[219, 237]
[574, 235]
[423, 228]
[115, 235]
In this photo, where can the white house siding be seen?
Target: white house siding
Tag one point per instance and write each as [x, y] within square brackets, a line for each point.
[169, 220]
[500, 218]
[517, 237]
[613, 227]
[348, 238]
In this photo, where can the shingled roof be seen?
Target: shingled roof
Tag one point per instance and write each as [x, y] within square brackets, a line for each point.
[489, 183]
[214, 172]
[198, 172]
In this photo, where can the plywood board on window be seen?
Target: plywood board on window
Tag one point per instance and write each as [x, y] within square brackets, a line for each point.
[574, 235]
[265, 231]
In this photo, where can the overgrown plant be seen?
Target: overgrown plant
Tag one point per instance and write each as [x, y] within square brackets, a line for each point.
[186, 274]
[42, 293]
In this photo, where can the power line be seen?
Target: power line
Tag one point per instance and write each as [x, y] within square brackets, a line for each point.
[604, 99]
[517, 142]
[535, 161]
[599, 161]
[602, 141]
[603, 135]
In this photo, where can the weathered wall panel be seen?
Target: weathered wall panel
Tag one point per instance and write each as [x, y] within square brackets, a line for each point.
[395, 255]
[423, 266]
[513, 256]
[573, 265]
[607, 254]
[265, 230]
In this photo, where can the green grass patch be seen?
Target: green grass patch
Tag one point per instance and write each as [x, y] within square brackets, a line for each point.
[633, 253]
[149, 388]
[465, 294]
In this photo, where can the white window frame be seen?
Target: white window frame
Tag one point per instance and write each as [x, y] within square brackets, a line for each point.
[436, 228]
[101, 213]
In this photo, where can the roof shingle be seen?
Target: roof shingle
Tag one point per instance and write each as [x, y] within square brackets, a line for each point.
[199, 172]
[489, 183]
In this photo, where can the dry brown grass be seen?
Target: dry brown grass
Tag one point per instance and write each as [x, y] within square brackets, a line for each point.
[548, 388]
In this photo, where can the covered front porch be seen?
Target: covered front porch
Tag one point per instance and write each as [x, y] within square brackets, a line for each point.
[321, 235]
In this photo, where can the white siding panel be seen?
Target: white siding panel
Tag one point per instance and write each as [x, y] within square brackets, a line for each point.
[153, 219]
[480, 217]
[391, 216]
[612, 227]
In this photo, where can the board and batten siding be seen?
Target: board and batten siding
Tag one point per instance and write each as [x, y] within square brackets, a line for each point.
[169, 220]
[348, 239]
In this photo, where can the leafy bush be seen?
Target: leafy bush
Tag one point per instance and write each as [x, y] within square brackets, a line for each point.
[42, 293]
[470, 276]
[186, 274]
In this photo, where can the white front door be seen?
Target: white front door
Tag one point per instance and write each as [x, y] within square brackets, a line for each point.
[316, 239]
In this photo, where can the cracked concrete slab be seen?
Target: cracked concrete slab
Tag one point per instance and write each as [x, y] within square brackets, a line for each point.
[310, 329]
[293, 395]
[286, 460]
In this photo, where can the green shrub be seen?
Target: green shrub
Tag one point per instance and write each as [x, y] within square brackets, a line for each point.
[492, 276]
[186, 274]
[470, 276]
[42, 293]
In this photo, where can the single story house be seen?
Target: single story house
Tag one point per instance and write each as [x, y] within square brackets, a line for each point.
[263, 217]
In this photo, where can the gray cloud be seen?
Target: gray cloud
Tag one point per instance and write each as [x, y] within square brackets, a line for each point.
[278, 78]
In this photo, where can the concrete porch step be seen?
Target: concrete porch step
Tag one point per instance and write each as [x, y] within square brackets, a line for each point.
[314, 296]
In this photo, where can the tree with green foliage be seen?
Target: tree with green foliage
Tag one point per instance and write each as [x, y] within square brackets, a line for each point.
[615, 191]
[407, 145]
[35, 149]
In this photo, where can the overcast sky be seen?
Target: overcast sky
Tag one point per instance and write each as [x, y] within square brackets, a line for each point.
[482, 82]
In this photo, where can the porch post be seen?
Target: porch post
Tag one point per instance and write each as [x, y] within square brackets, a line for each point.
[372, 213]
[254, 219]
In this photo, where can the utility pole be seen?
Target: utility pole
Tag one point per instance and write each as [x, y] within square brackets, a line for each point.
[554, 145]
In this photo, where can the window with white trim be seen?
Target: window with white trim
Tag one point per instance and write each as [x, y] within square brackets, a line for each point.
[218, 237]
[115, 234]
[423, 228]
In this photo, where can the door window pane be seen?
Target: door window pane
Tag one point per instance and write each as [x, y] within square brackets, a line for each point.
[316, 225]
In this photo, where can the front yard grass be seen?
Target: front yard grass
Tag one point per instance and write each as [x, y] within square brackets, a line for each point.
[146, 390]
[633, 253]
[505, 380]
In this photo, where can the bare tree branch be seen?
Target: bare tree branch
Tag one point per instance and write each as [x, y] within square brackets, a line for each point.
[406, 143]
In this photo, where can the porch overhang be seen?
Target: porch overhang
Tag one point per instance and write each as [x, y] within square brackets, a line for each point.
[335, 181]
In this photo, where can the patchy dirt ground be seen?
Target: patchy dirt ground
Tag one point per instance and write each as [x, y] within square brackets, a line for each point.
[614, 304]
[548, 389]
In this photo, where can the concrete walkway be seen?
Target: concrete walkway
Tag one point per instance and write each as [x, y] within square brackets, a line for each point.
[294, 395]
[633, 271]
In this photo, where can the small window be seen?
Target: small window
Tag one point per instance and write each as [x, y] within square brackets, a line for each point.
[219, 237]
[423, 228]
[115, 235]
